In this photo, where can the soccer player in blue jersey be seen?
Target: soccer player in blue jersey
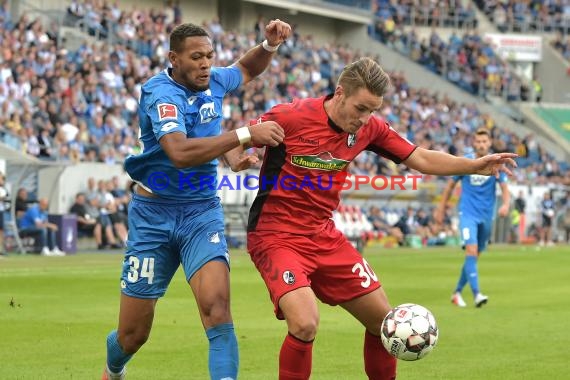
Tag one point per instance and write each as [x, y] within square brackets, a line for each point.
[173, 218]
[476, 214]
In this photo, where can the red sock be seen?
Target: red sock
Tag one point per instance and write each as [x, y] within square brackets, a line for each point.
[378, 363]
[295, 359]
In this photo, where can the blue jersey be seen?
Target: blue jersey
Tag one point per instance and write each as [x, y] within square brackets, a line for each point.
[478, 195]
[168, 107]
[32, 215]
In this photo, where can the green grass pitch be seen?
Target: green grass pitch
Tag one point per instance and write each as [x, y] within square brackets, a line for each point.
[55, 314]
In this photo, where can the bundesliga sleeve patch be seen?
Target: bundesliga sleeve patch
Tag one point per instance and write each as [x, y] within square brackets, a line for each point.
[167, 111]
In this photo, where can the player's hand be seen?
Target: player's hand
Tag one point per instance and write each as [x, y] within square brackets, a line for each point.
[244, 162]
[276, 32]
[494, 164]
[266, 133]
[504, 210]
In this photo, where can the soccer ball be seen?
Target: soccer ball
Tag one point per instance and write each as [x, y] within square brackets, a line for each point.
[409, 332]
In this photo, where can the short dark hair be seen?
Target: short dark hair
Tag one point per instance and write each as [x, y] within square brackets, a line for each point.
[183, 31]
[483, 131]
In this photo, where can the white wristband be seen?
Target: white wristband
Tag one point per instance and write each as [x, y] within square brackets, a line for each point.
[243, 135]
[271, 49]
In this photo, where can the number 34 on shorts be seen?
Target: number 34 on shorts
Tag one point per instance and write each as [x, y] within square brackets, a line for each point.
[139, 270]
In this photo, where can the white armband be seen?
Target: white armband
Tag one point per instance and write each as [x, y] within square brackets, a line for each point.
[243, 135]
[271, 49]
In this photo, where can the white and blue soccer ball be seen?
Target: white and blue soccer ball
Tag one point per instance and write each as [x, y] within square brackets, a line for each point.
[409, 332]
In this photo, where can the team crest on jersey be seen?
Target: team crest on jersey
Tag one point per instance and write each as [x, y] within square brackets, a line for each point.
[322, 161]
[351, 140]
[288, 277]
[167, 111]
[207, 112]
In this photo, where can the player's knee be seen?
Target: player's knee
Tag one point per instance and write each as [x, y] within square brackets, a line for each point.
[304, 328]
[132, 341]
[216, 312]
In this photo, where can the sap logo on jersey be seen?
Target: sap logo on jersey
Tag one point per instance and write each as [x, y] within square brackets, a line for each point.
[207, 113]
[167, 111]
[477, 179]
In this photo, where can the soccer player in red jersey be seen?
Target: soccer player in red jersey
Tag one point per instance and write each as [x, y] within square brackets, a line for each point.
[291, 238]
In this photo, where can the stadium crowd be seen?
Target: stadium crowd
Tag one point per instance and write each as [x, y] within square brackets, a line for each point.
[527, 16]
[82, 105]
[467, 61]
[440, 14]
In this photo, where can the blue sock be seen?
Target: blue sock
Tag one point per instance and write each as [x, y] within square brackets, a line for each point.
[116, 358]
[471, 272]
[462, 280]
[223, 360]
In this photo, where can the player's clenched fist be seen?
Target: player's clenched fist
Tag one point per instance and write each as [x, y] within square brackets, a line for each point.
[277, 31]
[266, 133]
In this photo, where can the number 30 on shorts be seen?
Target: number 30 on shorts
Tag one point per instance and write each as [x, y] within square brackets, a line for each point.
[137, 271]
[365, 271]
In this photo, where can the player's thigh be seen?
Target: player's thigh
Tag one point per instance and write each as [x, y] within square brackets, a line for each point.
[468, 230]
[201, 237]
[343, 274]
[211, 287]
[299, 307]
[149, 262]
[282, 267]
[370, 309]
[483, 235]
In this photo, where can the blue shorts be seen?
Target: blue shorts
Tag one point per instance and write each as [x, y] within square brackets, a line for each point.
[474, 231]
[162, 235]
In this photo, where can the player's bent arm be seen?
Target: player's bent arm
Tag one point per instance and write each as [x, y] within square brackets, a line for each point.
[185, 152]
[256, 60]
[253, 63]
[188, 152]
[439, 163]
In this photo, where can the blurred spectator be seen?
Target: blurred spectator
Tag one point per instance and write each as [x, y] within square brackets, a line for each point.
[108, 236]
[379, 223]
[21, 203]
[548, 216]
[3, 199]
[87, 221]
[35, 221]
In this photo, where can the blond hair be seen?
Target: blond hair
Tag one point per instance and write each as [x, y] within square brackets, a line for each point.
[364, 73]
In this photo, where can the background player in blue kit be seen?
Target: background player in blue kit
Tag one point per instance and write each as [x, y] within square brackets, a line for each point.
[172, 219]
[476, 214]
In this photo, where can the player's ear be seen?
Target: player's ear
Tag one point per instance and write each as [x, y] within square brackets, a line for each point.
[172, 57]
[339, 91]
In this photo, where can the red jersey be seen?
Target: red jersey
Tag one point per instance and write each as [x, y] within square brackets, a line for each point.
[301, 179]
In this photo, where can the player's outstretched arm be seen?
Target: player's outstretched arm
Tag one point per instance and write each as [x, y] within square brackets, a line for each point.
[185, 152]
[440, 163]
[256, 60]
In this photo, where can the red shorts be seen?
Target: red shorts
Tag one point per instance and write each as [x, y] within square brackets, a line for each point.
[326, 261]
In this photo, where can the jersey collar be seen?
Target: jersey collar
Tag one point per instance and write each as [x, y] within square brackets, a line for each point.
[331, 123]
[168, 72]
